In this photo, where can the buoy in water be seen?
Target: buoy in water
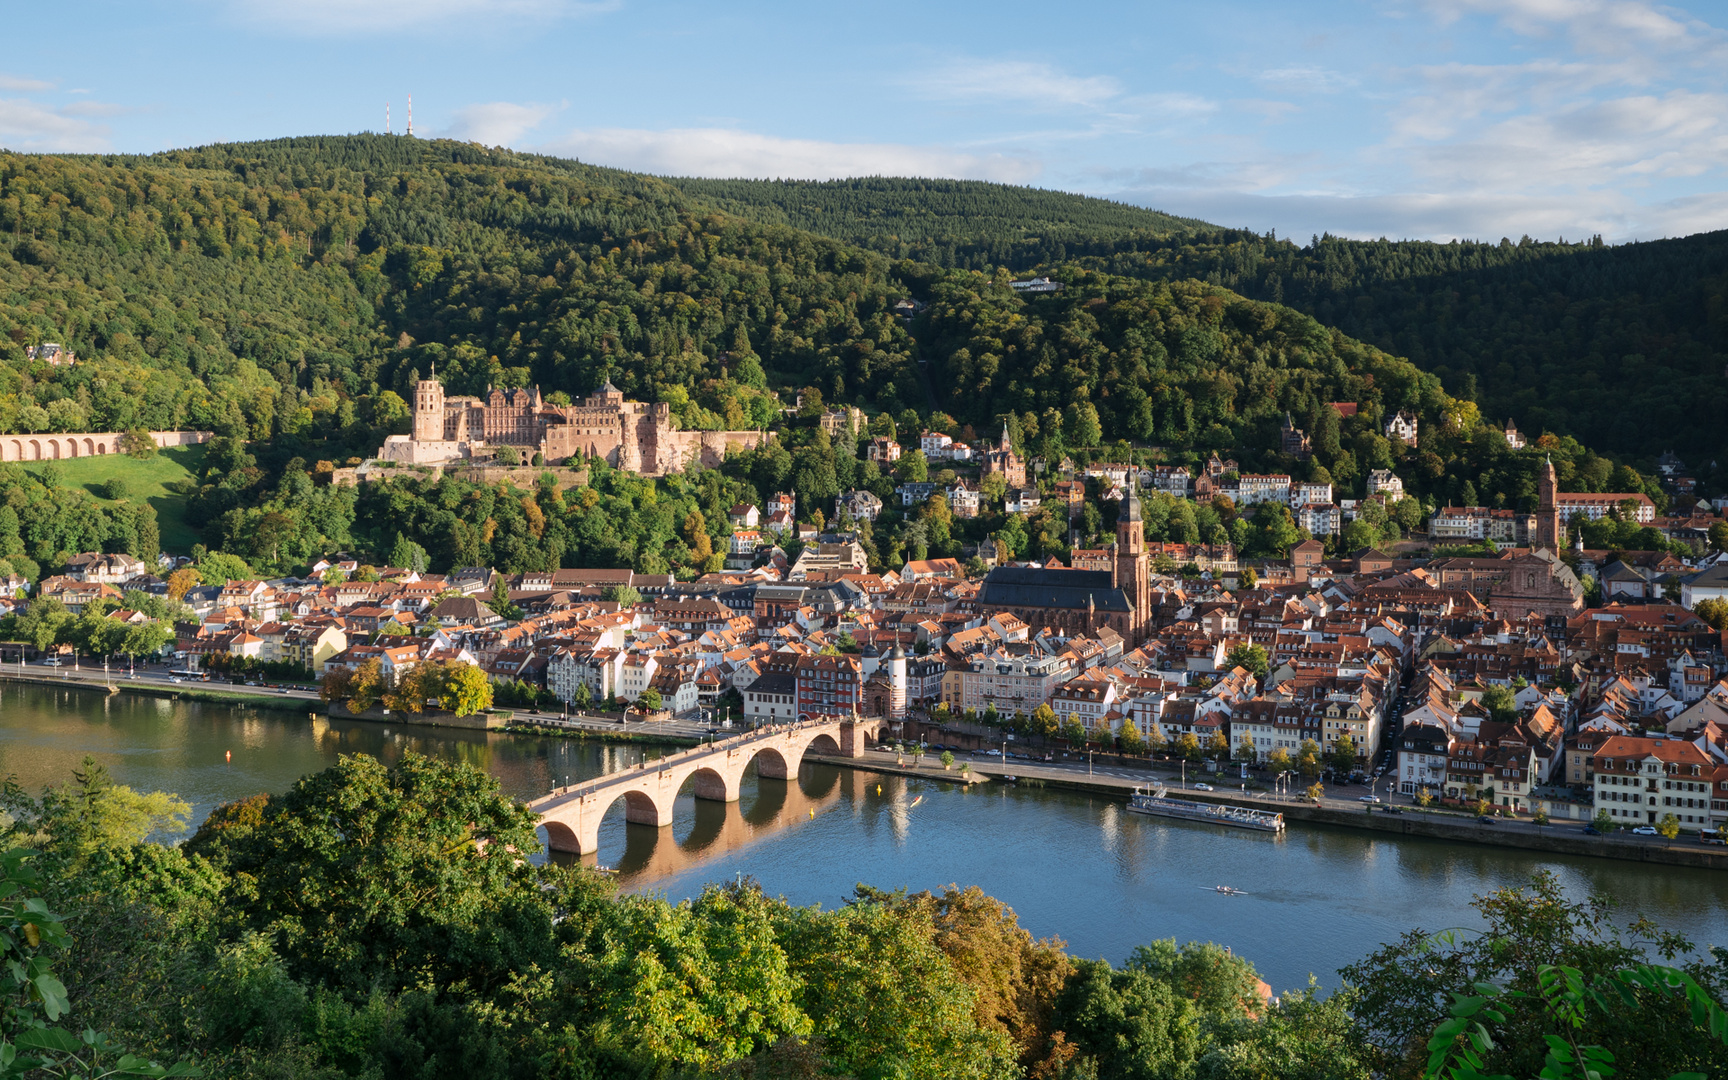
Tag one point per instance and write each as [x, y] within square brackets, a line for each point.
[812, 815]
[878, 789]
[230, 756]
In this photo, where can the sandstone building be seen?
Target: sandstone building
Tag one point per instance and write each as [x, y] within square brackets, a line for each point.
[1082, 601]
[636, 436]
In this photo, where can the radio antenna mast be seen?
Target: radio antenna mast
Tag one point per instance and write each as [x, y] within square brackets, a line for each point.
[410, 116]
[386, 118]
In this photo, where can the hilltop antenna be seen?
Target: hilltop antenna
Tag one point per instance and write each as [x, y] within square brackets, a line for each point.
[386, 118]
[410, 116]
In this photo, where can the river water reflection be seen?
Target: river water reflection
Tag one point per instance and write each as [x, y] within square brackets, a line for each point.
[1077, 867]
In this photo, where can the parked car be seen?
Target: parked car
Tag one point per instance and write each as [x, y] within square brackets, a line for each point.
[1645, 830]
[1368, 798]
[1591, 830]
[1202, 787]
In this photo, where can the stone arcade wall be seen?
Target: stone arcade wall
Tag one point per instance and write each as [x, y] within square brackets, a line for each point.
[84, 444]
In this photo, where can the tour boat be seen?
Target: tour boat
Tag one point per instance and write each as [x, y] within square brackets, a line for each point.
[1160, 804]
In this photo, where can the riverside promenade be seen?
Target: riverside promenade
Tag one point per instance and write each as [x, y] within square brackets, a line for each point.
[1349, 812]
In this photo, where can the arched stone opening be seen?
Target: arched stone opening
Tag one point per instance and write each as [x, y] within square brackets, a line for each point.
[771, 763]
[89, 447]
[54, 449]
[561, 837]
[711, 784]
[640, 808]
[823, 744]
[35, 450]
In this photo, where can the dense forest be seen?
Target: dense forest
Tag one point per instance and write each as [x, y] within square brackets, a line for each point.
[953, 223]
[364, 924]
[1624, 348]
[287, 294]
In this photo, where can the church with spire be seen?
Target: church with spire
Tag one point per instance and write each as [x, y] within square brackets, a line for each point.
[1003, 461]
[1083, 601]
[1520, 582]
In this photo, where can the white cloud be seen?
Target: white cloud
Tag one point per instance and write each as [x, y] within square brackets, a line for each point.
[1441, 216]
[1678, 134]
[1613, 120]
[1307, 78]
[1026, 82]
[1168, 106]
[496, 123]
[1605, 27]
[407, 16]
[14, 82]
[727, 152]
[30, 125]
[95, 108]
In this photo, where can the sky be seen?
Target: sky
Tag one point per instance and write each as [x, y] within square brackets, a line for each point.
[1428, 119]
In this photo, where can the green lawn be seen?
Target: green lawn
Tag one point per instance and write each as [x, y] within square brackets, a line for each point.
[147, 481]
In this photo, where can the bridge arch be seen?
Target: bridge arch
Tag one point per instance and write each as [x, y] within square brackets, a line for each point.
[709, 783]
[642, 808]
[559, 836]
[772, 763]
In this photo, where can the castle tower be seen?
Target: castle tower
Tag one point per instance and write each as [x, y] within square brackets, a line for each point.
[1131, 571]
[1548, 506]
[429, 410]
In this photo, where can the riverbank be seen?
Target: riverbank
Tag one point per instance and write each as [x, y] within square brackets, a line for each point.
[599, 734]
[599, 727]
[1558, 840]
[204, 692]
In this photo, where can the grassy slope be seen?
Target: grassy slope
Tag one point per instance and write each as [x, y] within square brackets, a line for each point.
[152, 479]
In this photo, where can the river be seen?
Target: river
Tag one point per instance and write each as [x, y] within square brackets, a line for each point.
[1072, 866]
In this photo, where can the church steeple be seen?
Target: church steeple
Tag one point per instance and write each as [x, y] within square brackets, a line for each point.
[1131, 569]
[1548, 506]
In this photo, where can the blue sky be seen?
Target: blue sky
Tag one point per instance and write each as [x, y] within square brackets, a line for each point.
[1404, 118]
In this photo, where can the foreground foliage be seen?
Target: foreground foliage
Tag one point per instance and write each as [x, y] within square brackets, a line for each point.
[375, 922]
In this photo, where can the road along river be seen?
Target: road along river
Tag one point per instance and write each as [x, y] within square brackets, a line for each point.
[1075, 866]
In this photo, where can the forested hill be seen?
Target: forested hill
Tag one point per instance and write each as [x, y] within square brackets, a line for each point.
[1623, 347]
[961, 223]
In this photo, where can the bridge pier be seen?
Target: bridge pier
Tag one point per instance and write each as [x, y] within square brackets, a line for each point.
[855, 737]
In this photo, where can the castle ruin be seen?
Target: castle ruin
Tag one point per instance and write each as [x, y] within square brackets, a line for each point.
[635, 436]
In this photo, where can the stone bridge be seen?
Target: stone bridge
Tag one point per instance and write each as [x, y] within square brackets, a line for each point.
[715, 771]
